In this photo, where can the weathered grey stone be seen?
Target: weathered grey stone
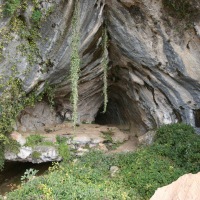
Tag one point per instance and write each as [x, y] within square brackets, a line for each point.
[147, 138]
[26, 154]
[37, 118]
[81, 139]
[113, 170]
[48, 154]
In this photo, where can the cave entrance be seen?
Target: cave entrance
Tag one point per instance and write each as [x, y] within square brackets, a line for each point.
[123, 112]
[113, 114]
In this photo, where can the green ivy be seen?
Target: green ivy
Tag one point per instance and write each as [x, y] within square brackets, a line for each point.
[105, 69]
[75, 64]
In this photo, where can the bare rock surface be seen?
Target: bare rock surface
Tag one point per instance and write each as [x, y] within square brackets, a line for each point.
[187, 187]
[147, 138]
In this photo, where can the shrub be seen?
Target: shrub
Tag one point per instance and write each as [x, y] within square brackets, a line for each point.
[89, 178]
[63, 150]
[181, 144]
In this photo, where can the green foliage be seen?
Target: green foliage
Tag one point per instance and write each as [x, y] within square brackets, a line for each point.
[180, 143]
[61, 139]
[28, 175]
[29, 47]
[12, 146]
[63, 148]
[36, 16]
[34, 140]
[105, 69]
[89, 178]
[75, 64]
[13, 100]
[49, 93]
[146, 171]
[64, 151]
[11, 6]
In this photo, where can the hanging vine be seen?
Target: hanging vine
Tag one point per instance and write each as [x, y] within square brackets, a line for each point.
[105, 69]
[75, 64]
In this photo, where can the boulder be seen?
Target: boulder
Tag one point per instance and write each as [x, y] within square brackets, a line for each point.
[147, 138]
[187, 187]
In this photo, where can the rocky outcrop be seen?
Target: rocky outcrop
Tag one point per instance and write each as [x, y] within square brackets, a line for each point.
[86, 137]
[154, 75]
[37, 154]
[185, 188]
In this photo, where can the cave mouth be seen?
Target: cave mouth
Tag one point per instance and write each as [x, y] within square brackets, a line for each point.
[123, 112]
[113, 114]
[11, 175]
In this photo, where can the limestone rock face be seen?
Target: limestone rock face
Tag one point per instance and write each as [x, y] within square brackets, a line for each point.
[37, 118]
[27, 154]
[186, 187]
[154, 75]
